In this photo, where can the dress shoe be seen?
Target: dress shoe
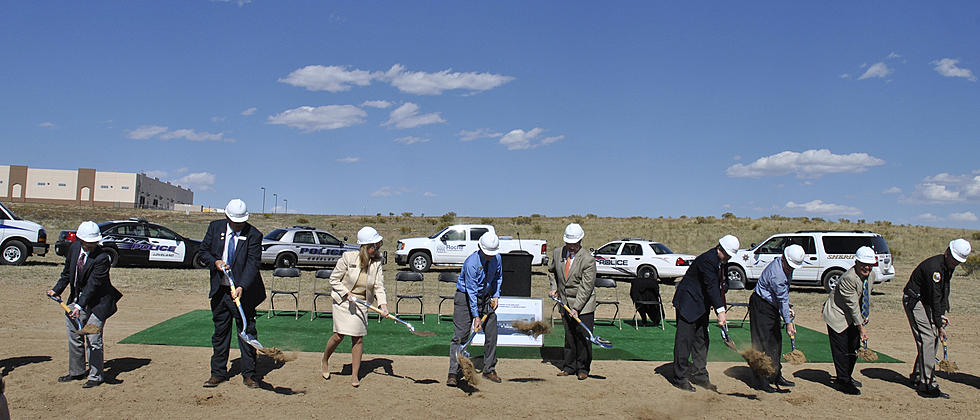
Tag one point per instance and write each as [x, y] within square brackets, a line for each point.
[856, 382]
[213, 382]
[69, 378]
[683, 385]
[563, 373]
[847, 388]
[451, 380]
[251, 383]
[705, 384]
[783, 382]
[91, 384]
[914, 380]
[582, 376]
[492, 376]
[932, 392]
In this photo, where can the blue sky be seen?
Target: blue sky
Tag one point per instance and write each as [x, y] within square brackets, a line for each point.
[861, 110]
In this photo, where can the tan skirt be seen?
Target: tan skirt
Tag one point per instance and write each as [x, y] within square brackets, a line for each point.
[350, 318]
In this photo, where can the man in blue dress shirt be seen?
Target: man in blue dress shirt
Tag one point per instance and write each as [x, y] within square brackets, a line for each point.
[769, 303]
[477, 292]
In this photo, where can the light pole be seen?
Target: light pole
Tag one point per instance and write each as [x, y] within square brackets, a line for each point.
[286, 203]
[275, 202]
[263, 199]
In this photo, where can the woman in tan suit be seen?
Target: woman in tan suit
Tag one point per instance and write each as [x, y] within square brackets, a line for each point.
[357, 275]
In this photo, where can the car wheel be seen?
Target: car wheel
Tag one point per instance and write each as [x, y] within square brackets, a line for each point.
[14, 253]
[420, 261]
[647, 272]
[735, 274]
[830, 279]
[113, 256]
[285, 260]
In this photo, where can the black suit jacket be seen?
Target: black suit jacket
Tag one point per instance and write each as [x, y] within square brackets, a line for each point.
[700, 289]
[92, 289]
[248, 260]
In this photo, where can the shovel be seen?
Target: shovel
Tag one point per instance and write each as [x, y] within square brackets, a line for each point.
[945, 365]
[794, 357]
[462, 349]
[78, 324]
[252, 341]
[865, 354]
[393, 318]
[727, 339]
[599, 341]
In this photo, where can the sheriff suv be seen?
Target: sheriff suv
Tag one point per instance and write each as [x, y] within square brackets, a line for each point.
[137, 242]
[303, 245]
[829, 254]
[639, 258]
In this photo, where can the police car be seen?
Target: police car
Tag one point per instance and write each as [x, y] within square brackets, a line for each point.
[136, 242]
[639, 258]
[828, 255]
[303, 245]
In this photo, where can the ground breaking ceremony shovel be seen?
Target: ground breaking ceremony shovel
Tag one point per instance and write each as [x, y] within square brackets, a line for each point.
[794, 357]
[463, 356]
[88, 329]
[866, 354]
[945, 365]
[727, 339]
[393, 318]
[252, 341]
[599, 341]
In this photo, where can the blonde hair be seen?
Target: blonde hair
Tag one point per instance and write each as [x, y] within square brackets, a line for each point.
[366, 259]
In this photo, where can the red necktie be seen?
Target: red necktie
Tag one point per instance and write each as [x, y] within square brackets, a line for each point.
[79, 266]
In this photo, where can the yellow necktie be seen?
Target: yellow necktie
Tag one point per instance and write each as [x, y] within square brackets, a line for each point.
[568, 263]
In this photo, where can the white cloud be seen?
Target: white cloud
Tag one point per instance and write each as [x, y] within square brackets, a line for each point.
[927, 217]
[407, 116]
[966, 216]
[388, 191]
[429, 194]
[377, 104]
[945, 188]
[240, 3]
[47, 124]
[250, 111]
[819, 207]
[481, 133]
[946, 178]
[422, 83]
[330, 117]
[936, 193]
[201, 181]
[329, 78]
[844, 76]
[879, 70]
[217, 119]
[811, 163]
[947, 67]
[893, 55]
[146, 131]
[349, 159]
[522, 140]
[410, 140]
[892, 190]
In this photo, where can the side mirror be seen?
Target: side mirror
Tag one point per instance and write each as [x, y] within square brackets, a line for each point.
[752, 246]
[345, 239]
[444, 237]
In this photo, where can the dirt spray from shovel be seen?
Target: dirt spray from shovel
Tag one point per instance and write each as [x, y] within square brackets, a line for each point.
[795, 357]
[866, 354]
[463, 357]
[946, 365]
[534, 329]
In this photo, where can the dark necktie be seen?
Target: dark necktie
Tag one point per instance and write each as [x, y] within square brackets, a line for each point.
[231, 248]
[866, 302]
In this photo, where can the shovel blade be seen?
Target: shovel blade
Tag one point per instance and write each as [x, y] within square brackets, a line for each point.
[252, 341]
[602, 342]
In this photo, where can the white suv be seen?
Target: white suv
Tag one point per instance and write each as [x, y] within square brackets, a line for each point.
[20, 238]
[633, 257]
[828, 255]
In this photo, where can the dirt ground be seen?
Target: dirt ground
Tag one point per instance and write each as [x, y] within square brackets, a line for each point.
[145, 381]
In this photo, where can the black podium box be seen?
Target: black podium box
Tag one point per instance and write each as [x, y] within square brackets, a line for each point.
[516, 267]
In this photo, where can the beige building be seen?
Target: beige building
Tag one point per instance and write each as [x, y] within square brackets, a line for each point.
[89, 187]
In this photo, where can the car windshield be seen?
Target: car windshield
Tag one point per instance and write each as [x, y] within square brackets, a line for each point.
[12, 215]
[661, 249]
[438, 233]
[275, 235]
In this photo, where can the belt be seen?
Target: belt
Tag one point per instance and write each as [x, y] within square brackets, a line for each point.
[477, 296]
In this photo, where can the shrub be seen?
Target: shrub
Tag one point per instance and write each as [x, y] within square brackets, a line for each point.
[972, 263]
[818, 219]
[433, 221]
[537, 229]
[536, 215]
[591, 216]
[407, 214]
[405, 230]
[844, 221]
[448, 217]
[728, 215]
[522, 220]
[701, 220]
[486, 221]
[976, 236]
[302, 221]
[861, 221]
[333, 225]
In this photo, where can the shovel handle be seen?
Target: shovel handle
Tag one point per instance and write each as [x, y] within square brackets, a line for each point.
[380, 312]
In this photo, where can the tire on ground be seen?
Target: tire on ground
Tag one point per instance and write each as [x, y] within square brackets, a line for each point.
[14, 252]
[419, 261]
[830, 278]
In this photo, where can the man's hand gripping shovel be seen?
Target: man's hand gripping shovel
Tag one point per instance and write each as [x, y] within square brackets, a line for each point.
[252, 341]
[88, 329]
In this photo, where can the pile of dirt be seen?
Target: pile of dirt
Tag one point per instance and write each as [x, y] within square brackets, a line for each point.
[277, 354]
[469, 371]
[90, 329]
[867, 355]
[947, 366]
[536, 328]
[759, 362]
[795, 357]
[424, 333]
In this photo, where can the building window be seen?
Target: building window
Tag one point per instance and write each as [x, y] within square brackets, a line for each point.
[125, 187]
[104, 187]
[40, 183]
[61, 185]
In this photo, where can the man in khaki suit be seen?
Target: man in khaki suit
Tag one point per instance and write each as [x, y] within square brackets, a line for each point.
[572, 275]
[846, 312]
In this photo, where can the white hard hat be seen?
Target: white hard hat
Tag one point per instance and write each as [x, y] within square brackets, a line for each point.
[236, 211]
[89, 232]
[573, 233]
[489, 244]
[729, 244]
[960, 248]
[793, 255]
[866, 255]
[368, 235]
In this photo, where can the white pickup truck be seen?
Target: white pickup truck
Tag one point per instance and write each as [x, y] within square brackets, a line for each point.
[20, 238]
[453, 244]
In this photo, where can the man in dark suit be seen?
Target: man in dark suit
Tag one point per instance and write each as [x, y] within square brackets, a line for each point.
[700, 290]
[235, 244]
[92, 300]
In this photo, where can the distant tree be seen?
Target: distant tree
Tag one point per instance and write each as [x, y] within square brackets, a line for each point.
[407, 214]
[728, 215]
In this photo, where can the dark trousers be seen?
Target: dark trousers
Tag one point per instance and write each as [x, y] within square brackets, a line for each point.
[844, 346]
[463, 326]
[767, 336]
[691, 349]
[223, 310]
[578, 348]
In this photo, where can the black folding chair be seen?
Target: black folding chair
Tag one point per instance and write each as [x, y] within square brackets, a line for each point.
[411, 280]
[280, 286]
[603, 283]
[447, 283]
[320, 274]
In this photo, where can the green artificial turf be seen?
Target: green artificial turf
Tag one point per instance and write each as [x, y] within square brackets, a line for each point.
[649, 343]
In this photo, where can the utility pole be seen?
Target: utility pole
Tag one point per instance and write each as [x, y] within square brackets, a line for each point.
[263, 199]
[275, 202]
[286, 203]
